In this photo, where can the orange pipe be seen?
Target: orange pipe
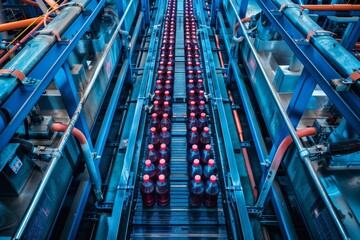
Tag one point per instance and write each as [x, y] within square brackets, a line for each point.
[279, 155]
[19, 24]
[53, 5]
[237, 25]
[332, 7]
[59, 127]
[24, 39]
[240, 132]
[29, 2]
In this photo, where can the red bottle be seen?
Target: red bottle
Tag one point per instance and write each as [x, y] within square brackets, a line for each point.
[161, 75]
[155, 122]
[193, 137]
[189, 66]
[169, 77]
[211, 192]
[201, 108]
[163, 168]
[190, 86]
[201, 96]
[192, 108]
[154, 138]
[162, 189]
[192, 121]
[165, 136]
[199, 85]
[195, 169]
[156, 108]
[157, 97]
[162, 64]
[170, 65]
[167, 97]
[202, 122]
[164, 152]
[197, 66]
[167, 109]
[151, 154]
[166, 122]
[147, 190]
[205, 137]
[159, 86]
[168, 87]
[210, 169]
[196, 192]
[191, 96]
[193, 154]
[206, 155]
[150, 170]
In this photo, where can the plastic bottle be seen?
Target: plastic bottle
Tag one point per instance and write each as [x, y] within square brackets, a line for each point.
[157, 96]
[197, 66]
[202, 122]
[205, 137]
[154, 138]
[192, 108]
[201, 96]
[206, 154]
[192, 121]
[211, 192]
[167, 109]
[156, 108]
[191, 96]
[162, 189]
[189, 66]
[195, 169]
[196, 192]
[210, 169]
[164, 152]
[166, 122]
[170, 65]
[193, 154]
[161, 63]
[201, 108]
[168, 87]
[159, 86]
[193, 137]
[170, 77]
[147, 190]
[165, 136]
[150, 169]
[190, 86]
[151, 154]
[155, 122]
[163, 168]
[167, 97]
[199, 85]
[160, 73]
[190, 75]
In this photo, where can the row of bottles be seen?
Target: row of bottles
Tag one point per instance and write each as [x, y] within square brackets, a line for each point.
[203, 186]
[155, 184]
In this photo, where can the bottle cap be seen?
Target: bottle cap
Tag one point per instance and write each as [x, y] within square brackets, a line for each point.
[169, 73]
[191, 81]
[148, 163]
[154, 115]
[213, 178]
[206, 129]
[202, 103]
[203, 115]
[158, 81]
[161, 63]
[157, 92]
[192, 103]
[199, 81]
[197, 178]
[192, 115]
[146, 178]
[162, 178]
[167, 82]
[150, 147]
[208, 147]
[196, 162]
[163, 146]
[211, 162]
[194, 129]
[160, 72]
[165, 115]
[189, 63]
[191, 72]
[166, 103]
[192, 92]
[167, 93]
[153, 130]
[194, 147]
[156, 103]
[164, 129]
[162, 162]
[197, 64]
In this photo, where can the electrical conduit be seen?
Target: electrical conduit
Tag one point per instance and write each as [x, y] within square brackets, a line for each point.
[332, 7]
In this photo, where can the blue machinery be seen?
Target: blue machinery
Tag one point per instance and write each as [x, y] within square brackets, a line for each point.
[76, 92]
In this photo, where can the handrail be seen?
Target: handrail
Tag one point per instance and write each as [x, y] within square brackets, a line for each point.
[25, 221]
[302, 151]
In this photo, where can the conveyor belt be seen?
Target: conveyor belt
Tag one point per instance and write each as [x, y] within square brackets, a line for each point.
[178, 220]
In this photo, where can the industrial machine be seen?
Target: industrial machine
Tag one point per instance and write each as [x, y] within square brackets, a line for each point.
[280, 90]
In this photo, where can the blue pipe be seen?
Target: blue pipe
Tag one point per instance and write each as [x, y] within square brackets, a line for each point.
[336, 54]
[343, 19]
